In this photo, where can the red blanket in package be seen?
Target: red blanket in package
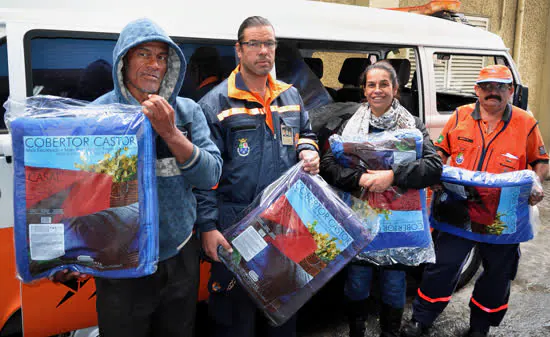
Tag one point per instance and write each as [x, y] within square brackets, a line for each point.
[292, 238]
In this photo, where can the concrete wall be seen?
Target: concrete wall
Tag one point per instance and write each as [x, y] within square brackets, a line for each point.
[533, 42]
[543, 107]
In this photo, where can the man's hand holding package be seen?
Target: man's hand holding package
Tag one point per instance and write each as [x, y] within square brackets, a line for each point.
[210, 242]
[311, 161]
[161, 115]
[66, 275]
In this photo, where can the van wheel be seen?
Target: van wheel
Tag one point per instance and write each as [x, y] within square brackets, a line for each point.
[473, 260]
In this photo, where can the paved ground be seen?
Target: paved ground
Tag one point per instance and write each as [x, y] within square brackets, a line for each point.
[528, 314]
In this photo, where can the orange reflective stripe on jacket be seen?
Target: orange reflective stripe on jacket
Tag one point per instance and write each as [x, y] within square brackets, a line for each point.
[477, 304]
[285, 108]
[433, 300]
[237, 111]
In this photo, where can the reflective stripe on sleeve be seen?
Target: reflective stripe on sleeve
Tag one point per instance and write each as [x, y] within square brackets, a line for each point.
[308, 141]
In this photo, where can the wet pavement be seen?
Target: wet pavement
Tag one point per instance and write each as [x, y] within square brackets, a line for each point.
[529, 307]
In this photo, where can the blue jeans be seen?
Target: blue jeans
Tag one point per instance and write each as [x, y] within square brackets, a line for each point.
[393, 285]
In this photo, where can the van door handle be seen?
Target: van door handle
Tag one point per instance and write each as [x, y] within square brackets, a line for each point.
[7, 158]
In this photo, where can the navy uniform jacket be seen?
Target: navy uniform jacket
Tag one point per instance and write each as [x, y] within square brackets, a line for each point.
[247, 131]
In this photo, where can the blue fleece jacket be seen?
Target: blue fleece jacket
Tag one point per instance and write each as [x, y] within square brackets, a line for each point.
[177, 203]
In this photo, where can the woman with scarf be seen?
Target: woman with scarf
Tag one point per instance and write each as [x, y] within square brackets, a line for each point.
[381, 112]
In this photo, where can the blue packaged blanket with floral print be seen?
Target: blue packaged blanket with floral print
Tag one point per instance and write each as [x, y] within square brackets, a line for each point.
[404, 234]
[84, 188]
[485, 207]
[294, 238]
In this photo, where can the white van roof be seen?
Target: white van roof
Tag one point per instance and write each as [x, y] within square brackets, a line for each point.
[309, 20]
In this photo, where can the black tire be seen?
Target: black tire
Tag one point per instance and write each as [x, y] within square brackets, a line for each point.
[470, 268]
[473, 261]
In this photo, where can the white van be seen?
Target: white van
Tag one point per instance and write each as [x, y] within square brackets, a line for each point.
[47, 50]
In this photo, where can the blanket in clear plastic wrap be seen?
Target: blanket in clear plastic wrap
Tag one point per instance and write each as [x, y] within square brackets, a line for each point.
[485, 207]
[401, 215]
[84, 188]
[291, 242]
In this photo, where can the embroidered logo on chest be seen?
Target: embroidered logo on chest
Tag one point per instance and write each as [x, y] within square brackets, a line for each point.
[242, 149]
[459, 158]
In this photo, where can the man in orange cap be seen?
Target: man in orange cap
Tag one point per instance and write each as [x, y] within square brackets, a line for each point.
[490, 135]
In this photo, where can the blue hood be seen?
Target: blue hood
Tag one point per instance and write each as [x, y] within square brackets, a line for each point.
[138, 32]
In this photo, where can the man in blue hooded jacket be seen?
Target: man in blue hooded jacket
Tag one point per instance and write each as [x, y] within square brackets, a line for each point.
[148, 70]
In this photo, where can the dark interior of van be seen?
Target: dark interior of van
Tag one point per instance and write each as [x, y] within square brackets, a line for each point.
[324, 72]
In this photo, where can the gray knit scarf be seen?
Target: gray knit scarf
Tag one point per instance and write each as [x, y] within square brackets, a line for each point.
[397, 117]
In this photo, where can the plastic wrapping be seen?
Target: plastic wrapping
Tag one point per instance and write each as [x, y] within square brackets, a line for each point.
[84, 188]
[401, 215]
[291, 244]
[486, 207]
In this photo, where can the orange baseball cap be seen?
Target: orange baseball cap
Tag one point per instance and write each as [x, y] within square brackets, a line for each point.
[495, 73]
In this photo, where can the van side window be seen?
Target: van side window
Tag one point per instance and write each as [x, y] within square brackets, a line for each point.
[207, 66]
[291, 67]
[81, 68]
[404, 62]
[71, 67]
[4, 83]
[342, 70]
[331, 88]
[455, 77]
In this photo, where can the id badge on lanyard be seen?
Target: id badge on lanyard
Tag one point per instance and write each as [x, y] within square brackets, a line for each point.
[287, 135]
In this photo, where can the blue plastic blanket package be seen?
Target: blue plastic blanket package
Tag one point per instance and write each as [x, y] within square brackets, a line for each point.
[84, 188]
[484, 207]
[298, 235]
[404, 234]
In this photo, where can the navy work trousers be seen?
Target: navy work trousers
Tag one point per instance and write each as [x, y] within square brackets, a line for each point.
[489, 300]
[161, 304]
[234, 314]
